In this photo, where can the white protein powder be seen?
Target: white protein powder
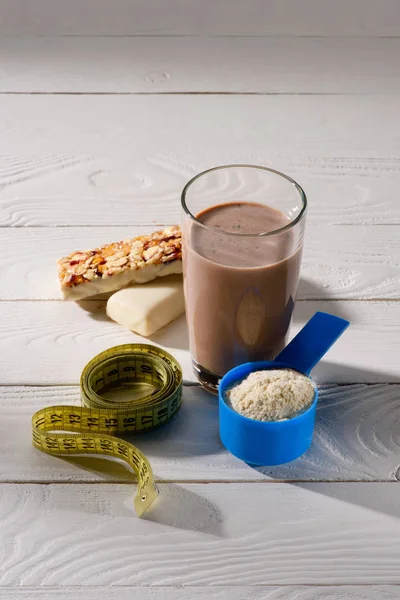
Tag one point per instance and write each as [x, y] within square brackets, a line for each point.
[272, 395]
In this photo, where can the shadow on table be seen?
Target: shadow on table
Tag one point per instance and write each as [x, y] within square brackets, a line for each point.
[193, 431]
[95, 308]
[379, 497]
[181, 508]
[356, 440]
[347, 374]
[173, 335]
[108, 468]
[310, 292]
[355, 436]
[176, 506]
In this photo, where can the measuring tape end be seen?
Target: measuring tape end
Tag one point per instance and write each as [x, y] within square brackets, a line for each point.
[145, 498]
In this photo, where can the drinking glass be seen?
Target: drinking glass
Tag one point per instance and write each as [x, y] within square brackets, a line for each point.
[242, 230]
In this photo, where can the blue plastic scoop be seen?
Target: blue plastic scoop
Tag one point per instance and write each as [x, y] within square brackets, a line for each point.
[277, 442]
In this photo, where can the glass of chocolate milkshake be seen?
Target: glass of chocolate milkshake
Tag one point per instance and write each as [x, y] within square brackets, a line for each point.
[243, 229]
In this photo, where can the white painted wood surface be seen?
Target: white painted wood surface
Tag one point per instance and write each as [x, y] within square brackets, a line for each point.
[349, 263]
[50, 342]
[127, 158]
[342, 592]
[214, 534]
[149, 17]
[356, 439]
[273, 65]
[182, 93]
[42, 191]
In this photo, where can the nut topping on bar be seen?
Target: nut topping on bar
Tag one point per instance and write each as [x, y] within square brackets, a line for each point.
[117, 263]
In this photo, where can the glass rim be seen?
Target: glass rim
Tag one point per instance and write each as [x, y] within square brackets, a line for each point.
[287, 227]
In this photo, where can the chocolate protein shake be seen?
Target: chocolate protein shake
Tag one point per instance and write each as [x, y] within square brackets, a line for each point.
[242, 288]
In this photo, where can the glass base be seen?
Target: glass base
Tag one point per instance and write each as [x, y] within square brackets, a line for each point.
[208, 380]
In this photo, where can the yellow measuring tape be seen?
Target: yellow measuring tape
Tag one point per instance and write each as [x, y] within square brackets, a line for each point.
[150, 379]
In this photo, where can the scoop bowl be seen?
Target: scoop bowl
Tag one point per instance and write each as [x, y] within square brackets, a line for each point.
[263, 442]
[271, 443]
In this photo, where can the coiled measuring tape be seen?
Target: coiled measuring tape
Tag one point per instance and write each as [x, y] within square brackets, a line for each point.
[152, 380]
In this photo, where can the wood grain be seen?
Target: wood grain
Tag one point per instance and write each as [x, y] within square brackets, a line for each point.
[235, 534]
[50, 342]
[97, 160]
[258, 17]
[356, 439]
[374, 592]
[354, 262]
[185, 64]
[88, 163]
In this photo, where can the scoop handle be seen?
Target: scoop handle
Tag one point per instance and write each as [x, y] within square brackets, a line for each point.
[311, 343]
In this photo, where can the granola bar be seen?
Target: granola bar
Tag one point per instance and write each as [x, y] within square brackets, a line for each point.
[114, 266]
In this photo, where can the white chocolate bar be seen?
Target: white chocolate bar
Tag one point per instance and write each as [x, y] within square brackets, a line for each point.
[114, 266]
[146, 308]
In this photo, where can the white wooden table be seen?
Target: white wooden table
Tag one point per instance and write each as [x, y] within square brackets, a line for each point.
[106, 109]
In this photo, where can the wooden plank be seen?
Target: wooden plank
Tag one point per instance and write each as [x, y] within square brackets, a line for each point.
[355, 440]
[354, 262]
[374, 592]
[184, 64]
[236, 534]
[50, 342]
[67, 335]
[100, 160]
[257, 17]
